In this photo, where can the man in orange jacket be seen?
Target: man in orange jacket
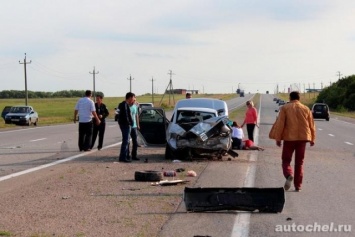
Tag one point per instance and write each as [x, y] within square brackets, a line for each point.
[295, 126]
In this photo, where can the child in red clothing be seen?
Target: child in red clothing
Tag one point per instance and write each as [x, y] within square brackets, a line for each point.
[249, 145]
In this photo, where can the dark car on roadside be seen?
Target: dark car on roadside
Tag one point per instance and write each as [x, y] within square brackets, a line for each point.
[320, 111]
[5, 111]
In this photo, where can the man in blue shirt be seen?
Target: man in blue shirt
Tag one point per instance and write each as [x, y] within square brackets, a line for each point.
[135, 126]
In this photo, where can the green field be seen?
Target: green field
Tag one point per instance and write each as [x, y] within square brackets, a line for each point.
[61, 110]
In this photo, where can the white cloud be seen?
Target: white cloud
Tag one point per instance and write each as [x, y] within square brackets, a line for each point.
[209, 45]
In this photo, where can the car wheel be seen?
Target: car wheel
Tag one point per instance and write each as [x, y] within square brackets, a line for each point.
[327, 119]
[148, 175]
[35, 123]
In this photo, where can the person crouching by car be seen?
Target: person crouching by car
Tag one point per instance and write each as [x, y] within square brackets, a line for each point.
[237, 136]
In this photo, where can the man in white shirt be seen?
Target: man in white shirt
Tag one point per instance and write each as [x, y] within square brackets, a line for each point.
[85, 108]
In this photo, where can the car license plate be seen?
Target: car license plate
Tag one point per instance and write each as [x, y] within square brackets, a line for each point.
[15, 120]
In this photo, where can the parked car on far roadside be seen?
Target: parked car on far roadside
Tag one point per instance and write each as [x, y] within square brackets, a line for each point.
[22, 115]
[320, 111]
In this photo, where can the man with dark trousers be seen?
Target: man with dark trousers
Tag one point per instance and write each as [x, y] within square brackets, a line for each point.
[85, 108]
[102, 113]
[125, 122]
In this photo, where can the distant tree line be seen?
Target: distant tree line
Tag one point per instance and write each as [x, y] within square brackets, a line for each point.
[340, 95]
[14, 94]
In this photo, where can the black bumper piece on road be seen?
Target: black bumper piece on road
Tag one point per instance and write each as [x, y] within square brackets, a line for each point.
[244, 199]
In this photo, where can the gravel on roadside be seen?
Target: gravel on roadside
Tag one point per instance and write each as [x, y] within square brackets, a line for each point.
[93, 195]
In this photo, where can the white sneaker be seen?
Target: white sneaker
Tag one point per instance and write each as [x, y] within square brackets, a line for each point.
[288, 182]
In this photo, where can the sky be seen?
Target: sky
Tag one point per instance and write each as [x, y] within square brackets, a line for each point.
[206, 45]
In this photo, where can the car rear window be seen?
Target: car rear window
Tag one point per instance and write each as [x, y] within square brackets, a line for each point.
[320, 108]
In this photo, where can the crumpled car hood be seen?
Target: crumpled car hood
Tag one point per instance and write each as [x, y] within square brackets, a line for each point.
[210, 134]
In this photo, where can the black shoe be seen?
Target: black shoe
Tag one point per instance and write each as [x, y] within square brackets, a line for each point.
[87, 150]
[126, 161]
[99, 148]
[135, 158]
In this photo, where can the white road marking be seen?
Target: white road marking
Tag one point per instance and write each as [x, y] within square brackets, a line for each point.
[26, 129]
[53, 163]
[320, 129]
[242, 221]
[331, 135]
[349, 143]
[36, 140]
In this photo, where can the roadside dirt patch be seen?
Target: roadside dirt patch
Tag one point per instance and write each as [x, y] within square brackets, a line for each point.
[93, 196]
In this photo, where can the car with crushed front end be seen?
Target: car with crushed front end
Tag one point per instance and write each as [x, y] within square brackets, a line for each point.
[22, 115]
[198, 127]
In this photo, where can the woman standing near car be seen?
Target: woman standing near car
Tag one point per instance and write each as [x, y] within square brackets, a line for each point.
[251, 117]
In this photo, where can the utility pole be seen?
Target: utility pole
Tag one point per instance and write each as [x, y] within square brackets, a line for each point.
[338, 73]
[130, 82]
[152, 90]
[93, 74]
[26, 92]
[170, 86]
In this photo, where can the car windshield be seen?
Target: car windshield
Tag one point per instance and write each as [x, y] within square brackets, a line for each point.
[20, 110]
[193, 116]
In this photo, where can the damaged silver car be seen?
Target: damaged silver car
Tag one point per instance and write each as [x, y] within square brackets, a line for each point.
[198, 127]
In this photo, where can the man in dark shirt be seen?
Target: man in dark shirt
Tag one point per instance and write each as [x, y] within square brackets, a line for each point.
[125, 122]
[102, 113]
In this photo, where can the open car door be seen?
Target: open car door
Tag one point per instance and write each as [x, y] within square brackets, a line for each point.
[153, 125]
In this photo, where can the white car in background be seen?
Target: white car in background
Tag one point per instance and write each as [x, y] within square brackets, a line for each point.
[22, 115]
[198, 126]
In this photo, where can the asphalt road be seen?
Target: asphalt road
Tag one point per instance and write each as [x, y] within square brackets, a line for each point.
[27, 147]
[323, 208]
[325, 201]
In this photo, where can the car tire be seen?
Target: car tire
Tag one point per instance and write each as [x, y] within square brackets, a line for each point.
[148, 175]
[327, 119]
[35, 123]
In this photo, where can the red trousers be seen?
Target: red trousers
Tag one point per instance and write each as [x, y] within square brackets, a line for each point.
[299, 147]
